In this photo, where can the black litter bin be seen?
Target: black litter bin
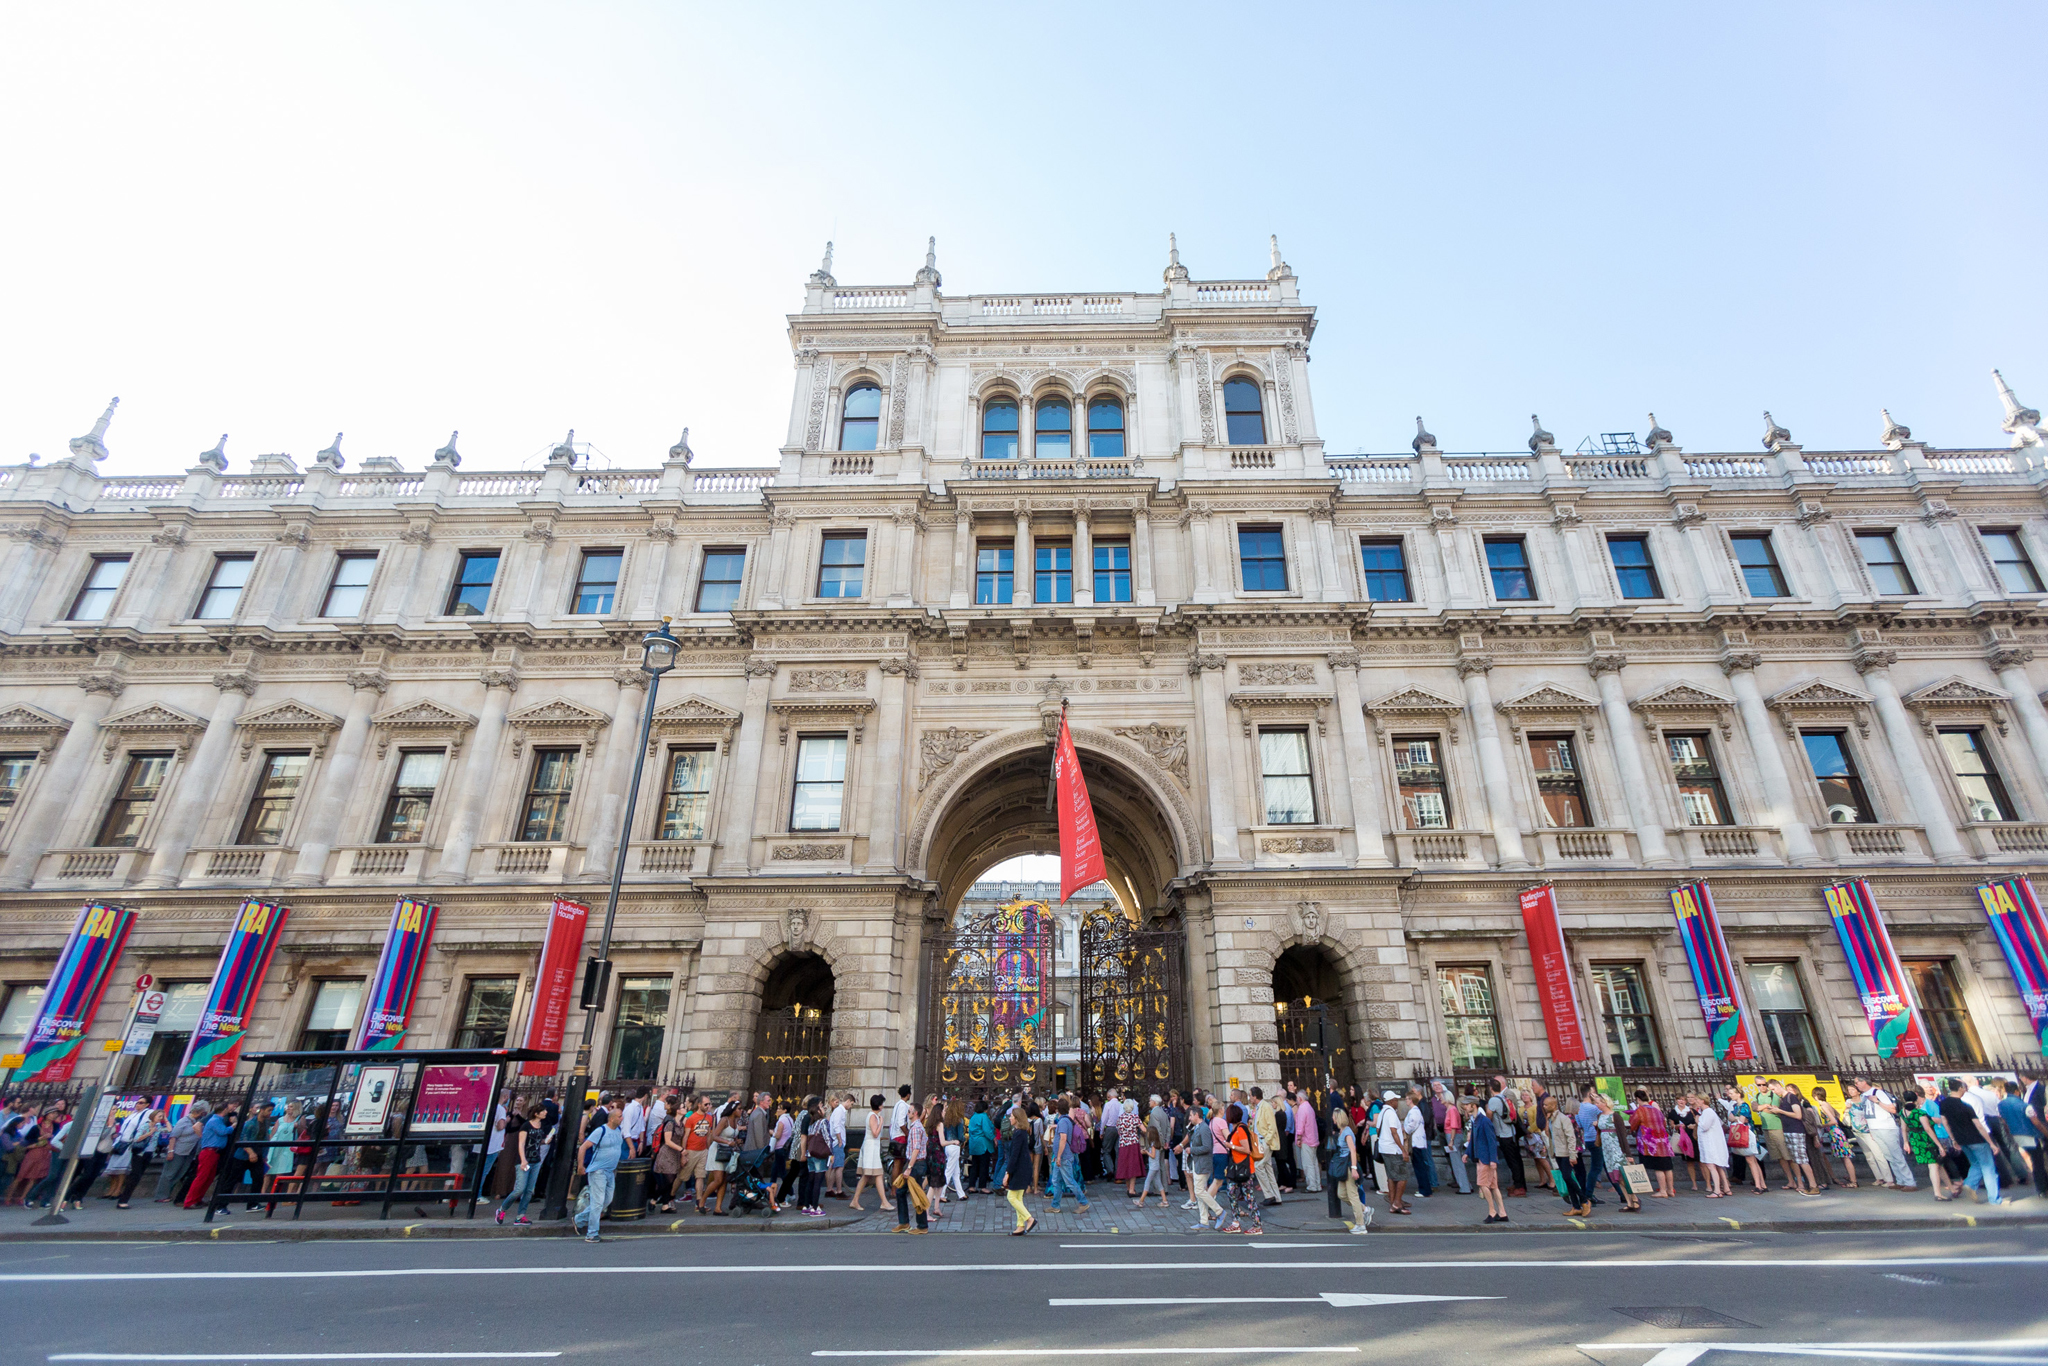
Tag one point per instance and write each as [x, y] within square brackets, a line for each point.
[629, 1194]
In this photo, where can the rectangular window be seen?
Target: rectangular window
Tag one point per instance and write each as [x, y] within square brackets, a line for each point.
[102, 582]
[350, 587]
[597, 583]
[1949, 1029]
[1419, 769]
[224, 587]
[1557, 780]
[841, 563]
[1386, 571]
[1841, 789]
[1625, 1004]
[994, 566]
[486, 1012]
[336, 1003]
[2009, 554]
[820, 783]
[1780, 1007]
[1888, 570]
[412, 796]
[719, 589]
[686, 802]
[271, 806]
[18, 1012]
[1699, 783]
[547, 796]
[1508, 563]
[1112, 571]
[183, 1002]
[1284, 776]
[638, 1031]
[1471, 1023]
[1632, 566]
[1053, 579]
[1760, 572]
[1262, 558]
[1984, 796]
[14, 774]
[141, 783]
[470, 594]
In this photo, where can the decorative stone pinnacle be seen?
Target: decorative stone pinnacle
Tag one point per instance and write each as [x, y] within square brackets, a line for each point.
[94, 443]
[1895, 435]
[2022, 422]
[1658, 435]
[217, 458]
[331, 457]
[929, 273]
[1539, 438]
[1422, 437]
[447, 454]
[822, 276]
[1774, 435]
[564, 454]
[1174, 269]
[680, 453]
[1281, 270]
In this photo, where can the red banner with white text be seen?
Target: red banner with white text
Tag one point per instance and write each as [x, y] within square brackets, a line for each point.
[1553, 976]
[1080, 843]
[559, 954]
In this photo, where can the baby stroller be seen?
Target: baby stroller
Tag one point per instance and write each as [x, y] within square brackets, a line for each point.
[750, 1188]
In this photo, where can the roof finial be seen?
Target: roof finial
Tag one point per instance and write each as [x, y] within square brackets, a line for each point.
[94, 443]
[1281, 270]
[1658, 437]
[681, 452]
[331, 457]
[1539, 438]
[564, 454]
[1894, 435]
[447, 454]
[2023, 422]
[822, 276]
[1174, 269]
[1422, 438]
[929, 274]
[1774, 435]
[217, 458]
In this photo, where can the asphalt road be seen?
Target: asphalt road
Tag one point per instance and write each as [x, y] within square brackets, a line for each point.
[771, 1300]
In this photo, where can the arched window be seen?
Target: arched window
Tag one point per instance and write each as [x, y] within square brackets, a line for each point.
[1105, 429]
[1242, 415]
[1052, 427]
[999, 429]
[860, 424]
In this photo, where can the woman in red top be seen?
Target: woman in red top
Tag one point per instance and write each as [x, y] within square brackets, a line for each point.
[1653, 1143]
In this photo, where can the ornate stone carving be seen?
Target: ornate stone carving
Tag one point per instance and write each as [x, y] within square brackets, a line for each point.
[1298, 844]
[937, 749]
[1867, 660]
[32, 727]
[808, 853]
[827, 680]
[1474, 664]
[1200, 663]
[542, 530]
[1308, 913]
[1817, 700]
[1959, 699]
[110, 684]
[420, 533]
[172, 536]
[1687, 515]
[1168, 746]
[758, 668]
[1676, 703]
[2010, 656]
[1283, 384]
[1205, 398]
[376, 680]
[295, 535]
[1275, 675]
[1410, 706]
[153, 723]
[245, 684]
[693, 717]
[500, 678]
[423, 720]
[821, 384]
[1740, 661]
[1345, 659]
[796, 924]
[556, 719]
[1812, 514]
[287, 720]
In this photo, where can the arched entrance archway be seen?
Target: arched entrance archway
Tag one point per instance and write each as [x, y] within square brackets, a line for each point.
[792, 1037]
[1309, 1008]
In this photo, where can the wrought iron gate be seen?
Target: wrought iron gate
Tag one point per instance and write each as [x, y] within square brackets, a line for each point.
[1314, 1046]
[990, 1025]
[791, 1048]
[1133, 1004]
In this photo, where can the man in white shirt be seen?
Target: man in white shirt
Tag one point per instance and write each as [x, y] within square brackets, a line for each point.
[1884, 1147]
[1112, 1111]
[1393, 1149]
[633, 1127]
[899, 1120]
[835, 1134]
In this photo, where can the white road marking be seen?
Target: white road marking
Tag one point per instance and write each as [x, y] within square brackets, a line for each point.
[1335, 1298]
[1976, 1354]
[1231, 1246]
[1081, 1351]
[297, 1356]
[1057, 1268]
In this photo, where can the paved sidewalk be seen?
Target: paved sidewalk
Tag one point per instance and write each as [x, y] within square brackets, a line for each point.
[1109, 1212]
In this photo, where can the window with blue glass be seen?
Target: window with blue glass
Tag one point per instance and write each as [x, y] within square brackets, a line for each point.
[1760, 572]
[1834, 768]
[994, 565]
[471, 592]
[1054, 578]
[1105, 429]
[1507, 561]
[1632, 567]
[597, 582]
[999, 429]
[1262, 558]
[1112, 571]
[861, 420]
[1386, 571]
[1052, 430]
[719, 589]
[841, 565]
[1244, 419]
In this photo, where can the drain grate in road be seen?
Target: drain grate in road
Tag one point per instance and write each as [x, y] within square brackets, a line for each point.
[1682, 1316]
[1693, 1238]
[1922, 1278]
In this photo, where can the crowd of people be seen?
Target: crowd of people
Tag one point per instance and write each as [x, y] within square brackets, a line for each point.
[1221, 1156]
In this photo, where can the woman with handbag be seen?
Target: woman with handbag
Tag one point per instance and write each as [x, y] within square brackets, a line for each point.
[1653, 1144]
[1926, 1140]
[1343, 1169]
[1685, 1142]
[138, 1134]
[1711, 1136]
[1610, 1126]
[1833, 1138]
[1241, 1155]
[1742, 1140]
[871, 1157]
[1562, 1131]
[817, 1144]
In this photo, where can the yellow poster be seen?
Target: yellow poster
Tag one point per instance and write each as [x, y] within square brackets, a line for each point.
[1750, 1082]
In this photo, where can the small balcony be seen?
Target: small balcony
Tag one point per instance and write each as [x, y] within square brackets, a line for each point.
[1582, 845]
[360, 864]
[1867, 843]
[231, 865]
[87, 868]
[1443, 848]
[1710, 844]
[667, 860]
[523, 861]
[2003, 840]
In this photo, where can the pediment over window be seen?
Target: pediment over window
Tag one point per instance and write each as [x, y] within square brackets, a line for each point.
[287, 720]
[153, 721]
[1268, 708]
[693, 718]
[1682, 695]
[423, 720]
[1546, 697]
[1818, 702]
[1414, 700]
[849, 712]
[1956, 699]
[22, 724]
[1679, 704]
[556, 720]
[1415, 706]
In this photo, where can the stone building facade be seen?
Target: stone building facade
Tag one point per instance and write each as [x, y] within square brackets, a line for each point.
[1335, 711]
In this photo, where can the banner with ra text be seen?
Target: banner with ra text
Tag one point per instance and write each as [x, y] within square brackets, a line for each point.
[1713, 972]
[1553, 976]
[75, 990]
[560, 952]
[1080, 843]
[217, 1037]
[2022, 932]
[1874, 964]
[398, 974]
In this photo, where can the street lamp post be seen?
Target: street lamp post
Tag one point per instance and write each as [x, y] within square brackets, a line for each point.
[657, 658]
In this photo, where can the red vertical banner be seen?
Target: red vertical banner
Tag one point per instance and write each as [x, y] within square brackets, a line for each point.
[1553, 976]
[560, 951]
[1080, 844]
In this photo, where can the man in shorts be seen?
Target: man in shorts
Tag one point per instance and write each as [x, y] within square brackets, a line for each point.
[1772, 1128]
[1483, 1146]
[696, 1148]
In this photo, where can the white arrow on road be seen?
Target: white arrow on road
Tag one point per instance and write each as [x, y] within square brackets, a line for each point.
[1333, 1298]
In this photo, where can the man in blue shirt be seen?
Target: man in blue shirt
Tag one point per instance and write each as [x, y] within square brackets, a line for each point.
[1482, 1145]
[600, 1156]
[1592, 1163]
[213, 1147]
[1065, 1162]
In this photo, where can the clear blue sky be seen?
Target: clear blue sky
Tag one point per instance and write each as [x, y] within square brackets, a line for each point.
[282, 220]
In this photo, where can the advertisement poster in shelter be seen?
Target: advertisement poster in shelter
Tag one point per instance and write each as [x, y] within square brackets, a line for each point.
[77, 985]
[371, 1104]
[224, 1021]
[453, 1098]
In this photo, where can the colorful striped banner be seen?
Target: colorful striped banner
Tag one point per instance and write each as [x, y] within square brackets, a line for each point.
[217, 1038]
[398, 974]
[1713, 971]
[2023, 934]
[1880, 981]
[75, 990]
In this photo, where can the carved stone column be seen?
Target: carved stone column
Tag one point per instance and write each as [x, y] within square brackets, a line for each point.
[886, 779]
[903, 570]
[1084, 556]
[1324, 528]
[1141, 556]
[499, 685]
[1904, 737]
[1219, 760]
[1198, 552]
[1366, 816]
[1020, 559]
[338, 778]
[1780, 808]
[200, 781]
[963, 557]
[1493, 762]
[796, 565]
[2011, 663]
[777, 567]
[35, 825]
[1628, 758]
[622, 737]
[743, 780]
